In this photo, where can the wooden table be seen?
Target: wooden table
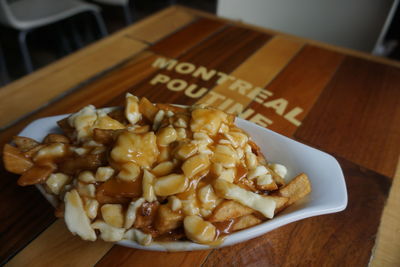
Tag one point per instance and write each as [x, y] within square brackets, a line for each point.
[344, 102]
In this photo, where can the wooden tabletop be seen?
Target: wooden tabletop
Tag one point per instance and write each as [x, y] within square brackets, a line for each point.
[340, 101]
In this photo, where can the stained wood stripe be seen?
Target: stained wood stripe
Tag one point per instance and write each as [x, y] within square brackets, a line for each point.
[97, 93]
[287, 100]
[358, 116]
[340, 239]
[58, 247]
[180, 42]
[223, 52]
[257, 71]
[122, 256]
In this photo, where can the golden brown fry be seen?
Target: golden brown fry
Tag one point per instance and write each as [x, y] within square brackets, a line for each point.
[146, 215]
[67, 129]
[105, 136]
[244, 222]
[119, 115]
[30, 153]
[167, 220]
[35, 175]
[71, 166]
[24, 143]
[56, 138]
[299, 187]
[148, 109]
[229, 209]
[268, 187]
[278, 179]
[14, 160]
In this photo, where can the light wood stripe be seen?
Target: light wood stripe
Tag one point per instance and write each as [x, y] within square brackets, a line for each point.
[16, 102]
[259, 70]
[57, 247]
[388, 241]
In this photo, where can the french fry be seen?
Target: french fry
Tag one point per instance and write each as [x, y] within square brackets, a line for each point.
[104, 136]
[35, 175]
[24, 143]
[229, 209]
[56, 138]
[296, 189]
[118, 115]
[148, 109]
[244, 222]
[167, 220]
[15, 161]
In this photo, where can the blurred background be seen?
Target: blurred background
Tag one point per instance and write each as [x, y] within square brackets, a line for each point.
[34, 33]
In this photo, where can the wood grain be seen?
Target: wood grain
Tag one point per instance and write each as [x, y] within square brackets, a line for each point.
[258, 70]
[300, 84]
[223, 51]
[388, 241]
[339, 49]
[159, 25]
[61, 249]
[358, 116]
[340, 239]
[122, 256]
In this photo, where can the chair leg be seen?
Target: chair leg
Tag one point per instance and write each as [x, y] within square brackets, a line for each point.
[100, 23]
[4, 79]
[24, 51]
[127, 14]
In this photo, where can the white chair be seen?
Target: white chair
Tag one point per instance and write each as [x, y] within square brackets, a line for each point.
[27, 15]
[125, 4]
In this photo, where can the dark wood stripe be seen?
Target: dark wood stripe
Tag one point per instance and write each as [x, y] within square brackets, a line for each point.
[122, 256]
[358, 116]
[181, 41]
[300, 83]
[222, 52]
[340, 239]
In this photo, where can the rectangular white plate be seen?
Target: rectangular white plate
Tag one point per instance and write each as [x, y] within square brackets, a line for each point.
[328, 194]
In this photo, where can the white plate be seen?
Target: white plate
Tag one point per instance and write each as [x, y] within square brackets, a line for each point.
[328, 194]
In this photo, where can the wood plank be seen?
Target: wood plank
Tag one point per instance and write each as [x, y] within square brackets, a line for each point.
[99, 92]
[16, 100]
[257, 71]
[159, 25]
[24, 214]
[180, 42]
[122, 256]
[358, 116]
[56, 246]
[287, 100]
[388, 241]
[222, 52]
[340, 239]
[339, 49]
